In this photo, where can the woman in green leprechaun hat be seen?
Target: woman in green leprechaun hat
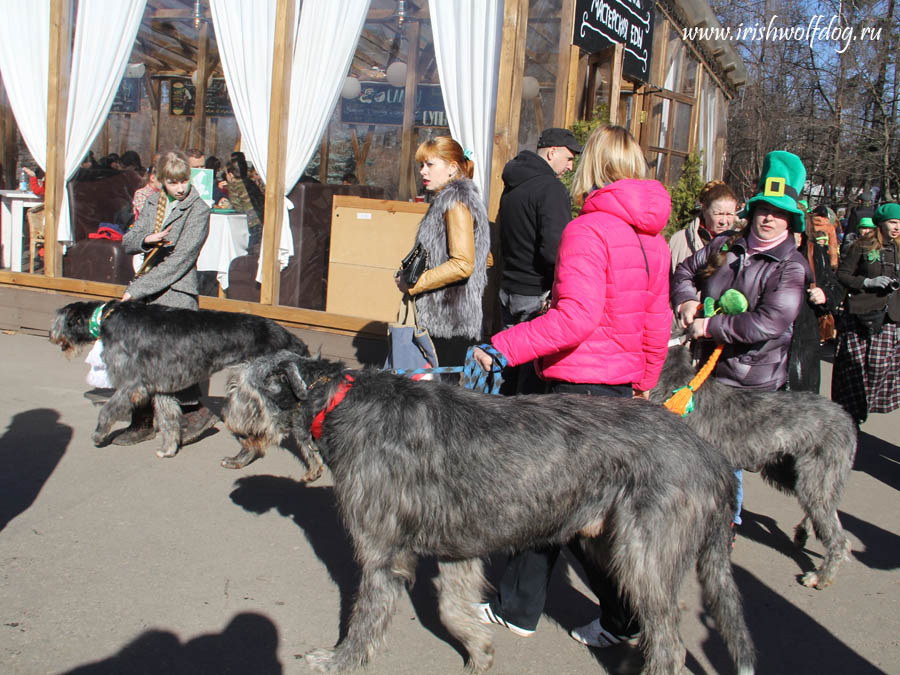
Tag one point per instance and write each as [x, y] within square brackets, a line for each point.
[866, 375]
[762, 262]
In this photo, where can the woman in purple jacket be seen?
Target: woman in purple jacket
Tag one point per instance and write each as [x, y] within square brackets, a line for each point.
[762, 262]
[605, 334]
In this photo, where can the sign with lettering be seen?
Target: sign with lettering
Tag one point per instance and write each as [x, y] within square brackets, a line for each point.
[182, 97]
[380, 103]
[128, 96]
[601, 23]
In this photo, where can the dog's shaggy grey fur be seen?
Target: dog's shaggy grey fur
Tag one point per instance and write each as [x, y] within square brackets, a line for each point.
[152, 352]
[430, 469]
[801, 443]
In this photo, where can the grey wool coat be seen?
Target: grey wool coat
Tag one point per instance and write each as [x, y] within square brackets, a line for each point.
[172, 279]
[454, 310]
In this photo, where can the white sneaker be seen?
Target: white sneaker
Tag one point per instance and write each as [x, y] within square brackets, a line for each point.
[486, 615]
[595, 635]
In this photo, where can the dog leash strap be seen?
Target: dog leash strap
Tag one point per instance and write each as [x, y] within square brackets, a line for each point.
[474, 377]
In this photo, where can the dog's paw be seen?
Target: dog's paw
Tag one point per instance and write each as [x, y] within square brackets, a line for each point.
[813, 580]
[232, 462]
[313, 474]
[98, 439]
[167, 452]
[322, 661]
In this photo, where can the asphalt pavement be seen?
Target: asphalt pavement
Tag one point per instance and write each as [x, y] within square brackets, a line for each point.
[115, 561]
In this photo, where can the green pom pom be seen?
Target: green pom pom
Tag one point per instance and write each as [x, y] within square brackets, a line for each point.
[733, 302]
[709, 307]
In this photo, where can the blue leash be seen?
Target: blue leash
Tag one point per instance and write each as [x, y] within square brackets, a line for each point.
[474, 377]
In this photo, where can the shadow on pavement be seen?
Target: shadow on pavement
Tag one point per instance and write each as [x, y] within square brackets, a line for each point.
[247, 645]
[787, 639]
[882, 547]
[314, 510]
[879, 459]
[30, 449]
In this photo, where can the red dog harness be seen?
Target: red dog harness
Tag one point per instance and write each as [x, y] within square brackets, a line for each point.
[319, 419]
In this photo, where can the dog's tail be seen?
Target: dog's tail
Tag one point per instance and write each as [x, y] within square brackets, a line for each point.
[722, 597]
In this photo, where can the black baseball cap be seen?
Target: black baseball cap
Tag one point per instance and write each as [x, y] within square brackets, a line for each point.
[555, 137]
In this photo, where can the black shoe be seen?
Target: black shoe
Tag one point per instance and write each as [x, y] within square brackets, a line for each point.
[195, 423]
[99, 396]
[140, 430]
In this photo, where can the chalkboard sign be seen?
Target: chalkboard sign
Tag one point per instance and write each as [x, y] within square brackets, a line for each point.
[601, 23]
[128, 96]
[381, 103]
[182, 97]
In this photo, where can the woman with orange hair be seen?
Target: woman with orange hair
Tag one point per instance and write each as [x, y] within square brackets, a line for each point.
[455, 235]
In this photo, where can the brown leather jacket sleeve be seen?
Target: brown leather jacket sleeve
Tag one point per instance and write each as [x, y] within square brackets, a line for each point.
[461, 248]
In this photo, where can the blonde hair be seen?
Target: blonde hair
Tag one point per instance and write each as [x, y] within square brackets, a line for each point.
[173, 165]
[610, 154]
[447, 149]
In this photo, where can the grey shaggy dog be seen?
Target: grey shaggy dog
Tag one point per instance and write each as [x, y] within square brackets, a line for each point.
[424, 468]
[801, 443]
[151, 352]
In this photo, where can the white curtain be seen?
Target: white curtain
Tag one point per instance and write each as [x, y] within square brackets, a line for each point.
[104, 37]
[467, 50]
[24, 64]
[326, 38]
[245, 33]
[324, 48]
[708, 131]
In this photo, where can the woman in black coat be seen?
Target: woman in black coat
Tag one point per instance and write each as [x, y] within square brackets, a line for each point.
[824, 294]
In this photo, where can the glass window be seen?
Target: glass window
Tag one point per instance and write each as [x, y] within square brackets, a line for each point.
[541, 62]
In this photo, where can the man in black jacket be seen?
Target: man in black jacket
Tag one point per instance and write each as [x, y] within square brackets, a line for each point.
[534, 209]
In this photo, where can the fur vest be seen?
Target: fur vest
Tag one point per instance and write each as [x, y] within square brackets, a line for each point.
[454, 310]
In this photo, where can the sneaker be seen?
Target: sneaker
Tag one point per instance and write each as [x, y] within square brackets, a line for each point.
[595, 635]
[487, 615]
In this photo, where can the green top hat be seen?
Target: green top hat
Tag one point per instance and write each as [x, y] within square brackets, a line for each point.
[865, 222]
[783, 177]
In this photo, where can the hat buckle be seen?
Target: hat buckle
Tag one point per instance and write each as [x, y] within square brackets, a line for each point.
[774, 187]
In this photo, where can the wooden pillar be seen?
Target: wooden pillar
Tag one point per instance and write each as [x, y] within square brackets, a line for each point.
[61, 12]
[199, 139]
[153, 94]
[280, 101]
[323, 155]
[615, 81]
[509, 94]
[407, 151]
[564, 101]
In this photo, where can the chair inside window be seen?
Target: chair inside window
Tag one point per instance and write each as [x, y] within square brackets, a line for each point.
[35, 217]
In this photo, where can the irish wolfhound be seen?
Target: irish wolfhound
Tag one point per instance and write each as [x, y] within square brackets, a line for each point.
[425, 468]
[152, 352]
[801, 443]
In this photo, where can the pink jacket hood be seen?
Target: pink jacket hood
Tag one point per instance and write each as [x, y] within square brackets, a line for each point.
[609, 317]
[643, 204]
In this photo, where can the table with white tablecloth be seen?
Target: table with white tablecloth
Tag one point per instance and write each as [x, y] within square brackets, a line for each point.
[228, 239]
[12, 224]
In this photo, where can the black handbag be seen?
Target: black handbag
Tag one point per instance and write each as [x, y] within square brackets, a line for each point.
[414, 264]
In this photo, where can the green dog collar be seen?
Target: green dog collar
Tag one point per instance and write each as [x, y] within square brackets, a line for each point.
[94, 323]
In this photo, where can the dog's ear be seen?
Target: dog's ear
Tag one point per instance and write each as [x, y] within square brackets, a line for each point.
[295, 380]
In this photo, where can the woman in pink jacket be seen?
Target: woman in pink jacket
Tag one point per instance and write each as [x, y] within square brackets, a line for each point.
[605, 334]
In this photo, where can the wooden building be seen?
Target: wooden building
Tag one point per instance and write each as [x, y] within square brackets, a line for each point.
[558, 61]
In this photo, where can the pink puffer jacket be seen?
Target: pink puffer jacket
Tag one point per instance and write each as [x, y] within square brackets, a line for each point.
[609, 318]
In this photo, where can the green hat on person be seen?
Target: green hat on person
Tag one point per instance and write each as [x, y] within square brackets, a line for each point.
[783, 177]
[865, 222]
[887, 212]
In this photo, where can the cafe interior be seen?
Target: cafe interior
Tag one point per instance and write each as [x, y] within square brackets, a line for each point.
[328, 102]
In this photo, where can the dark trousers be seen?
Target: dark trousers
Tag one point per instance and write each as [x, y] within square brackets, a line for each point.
[522, 590]
[515, 309]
